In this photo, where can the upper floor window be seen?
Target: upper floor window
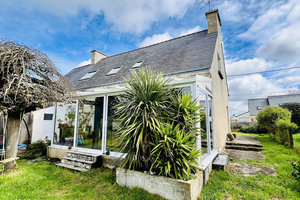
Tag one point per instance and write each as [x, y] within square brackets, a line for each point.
[137, 64]
[88, 75]
[114, 71]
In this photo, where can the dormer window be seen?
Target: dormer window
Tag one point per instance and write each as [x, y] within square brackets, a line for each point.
[114, 71]
[88, 75]
[137, 64]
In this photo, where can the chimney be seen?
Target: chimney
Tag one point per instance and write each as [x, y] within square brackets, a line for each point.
[213, 21]
[97, 56]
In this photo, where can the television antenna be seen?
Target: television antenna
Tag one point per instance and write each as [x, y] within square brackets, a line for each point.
[207, 3]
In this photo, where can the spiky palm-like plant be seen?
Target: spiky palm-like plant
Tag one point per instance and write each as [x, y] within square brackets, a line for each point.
[175, 152]
[145, 102]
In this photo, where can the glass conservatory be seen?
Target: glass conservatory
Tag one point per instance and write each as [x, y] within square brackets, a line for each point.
[89, 124]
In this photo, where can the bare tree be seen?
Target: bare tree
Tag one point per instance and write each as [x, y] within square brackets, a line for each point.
[28, 80]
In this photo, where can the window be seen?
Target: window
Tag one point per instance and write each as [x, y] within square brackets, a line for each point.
[64, 124]
[88, 75]
[220, 68]
[259, 107]
[48, 116]
[114, 71]
[137, 64]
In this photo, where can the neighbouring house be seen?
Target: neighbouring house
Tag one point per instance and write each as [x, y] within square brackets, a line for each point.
[243, 117]
[195, 62]
[256, 105]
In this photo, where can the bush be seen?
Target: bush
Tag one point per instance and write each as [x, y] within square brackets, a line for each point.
[249, 129]
[283, 132]
[296, 170]
[36, 149]
[294, 108]
[268, 117]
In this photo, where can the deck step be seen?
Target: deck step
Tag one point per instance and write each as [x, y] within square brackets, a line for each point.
[80, 161]
[72, 167]
[243, 144]
[245, 148]
[220, 162]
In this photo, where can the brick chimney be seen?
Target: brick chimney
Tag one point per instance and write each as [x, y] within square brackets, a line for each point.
[97, 56]
[213, 21]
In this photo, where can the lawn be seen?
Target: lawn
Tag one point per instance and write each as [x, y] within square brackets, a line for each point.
[226, 185]
[44, 181]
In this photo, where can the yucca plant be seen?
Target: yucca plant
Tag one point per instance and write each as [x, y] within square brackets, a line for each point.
[144, 104]
[185, 112]
[175, 152]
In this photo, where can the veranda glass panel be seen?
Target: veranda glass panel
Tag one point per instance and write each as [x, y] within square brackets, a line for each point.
[90, 119]
[211, 122]
[112, 125]
[64, 124]
[203, 128]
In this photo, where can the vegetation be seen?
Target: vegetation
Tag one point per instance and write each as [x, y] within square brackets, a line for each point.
[36, 149]
[296, 170]
[45, 181]
[268, 117]
[227, 185]
[28, 79]
[157, 126]
[295, 110]
[278, 123]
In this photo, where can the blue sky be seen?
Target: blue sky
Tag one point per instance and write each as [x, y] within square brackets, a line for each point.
[257, 35]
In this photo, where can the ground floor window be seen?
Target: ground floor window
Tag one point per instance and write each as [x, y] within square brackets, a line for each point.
[64, 124]
[90, 122]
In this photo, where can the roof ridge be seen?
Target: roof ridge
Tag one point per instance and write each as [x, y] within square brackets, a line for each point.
[155, 44]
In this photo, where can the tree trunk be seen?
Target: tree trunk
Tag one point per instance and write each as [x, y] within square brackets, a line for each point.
[13, 127]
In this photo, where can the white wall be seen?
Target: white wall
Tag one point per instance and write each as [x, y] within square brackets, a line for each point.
[40, 127]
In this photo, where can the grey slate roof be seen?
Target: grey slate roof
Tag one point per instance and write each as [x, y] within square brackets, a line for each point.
[193, 52]
[253, 104]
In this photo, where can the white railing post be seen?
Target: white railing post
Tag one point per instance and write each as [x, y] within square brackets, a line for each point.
[76, 123]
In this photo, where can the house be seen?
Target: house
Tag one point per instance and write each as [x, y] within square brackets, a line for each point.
[255, 105]
[243, 117]
[195, 62]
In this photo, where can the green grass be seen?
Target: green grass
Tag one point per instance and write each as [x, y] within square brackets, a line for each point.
[297, 141]
[44, 181]
[226, 185]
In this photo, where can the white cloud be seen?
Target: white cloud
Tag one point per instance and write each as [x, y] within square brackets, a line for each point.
[85, 62]
[246, 66]
[189, 31]
[129, 16]
[155, 39]
[246, 87]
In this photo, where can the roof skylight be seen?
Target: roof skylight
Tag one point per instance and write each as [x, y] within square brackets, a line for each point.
[114, 71]
[137, 64]
[88, 75]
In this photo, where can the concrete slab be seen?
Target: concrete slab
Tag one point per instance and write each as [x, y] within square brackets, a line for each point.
[245, 141]
[220, 162]
[245, 155]
[250, 170]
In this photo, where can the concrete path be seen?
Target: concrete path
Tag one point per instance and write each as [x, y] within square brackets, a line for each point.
[242, 154]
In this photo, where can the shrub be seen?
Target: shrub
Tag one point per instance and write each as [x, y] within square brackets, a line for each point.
[268, 117]
[175, 152]
[36, 149]
[283, 132]
[295, 110]
[296, 170]
[249, 129]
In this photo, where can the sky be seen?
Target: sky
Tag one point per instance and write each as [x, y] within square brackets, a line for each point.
[257, 35]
